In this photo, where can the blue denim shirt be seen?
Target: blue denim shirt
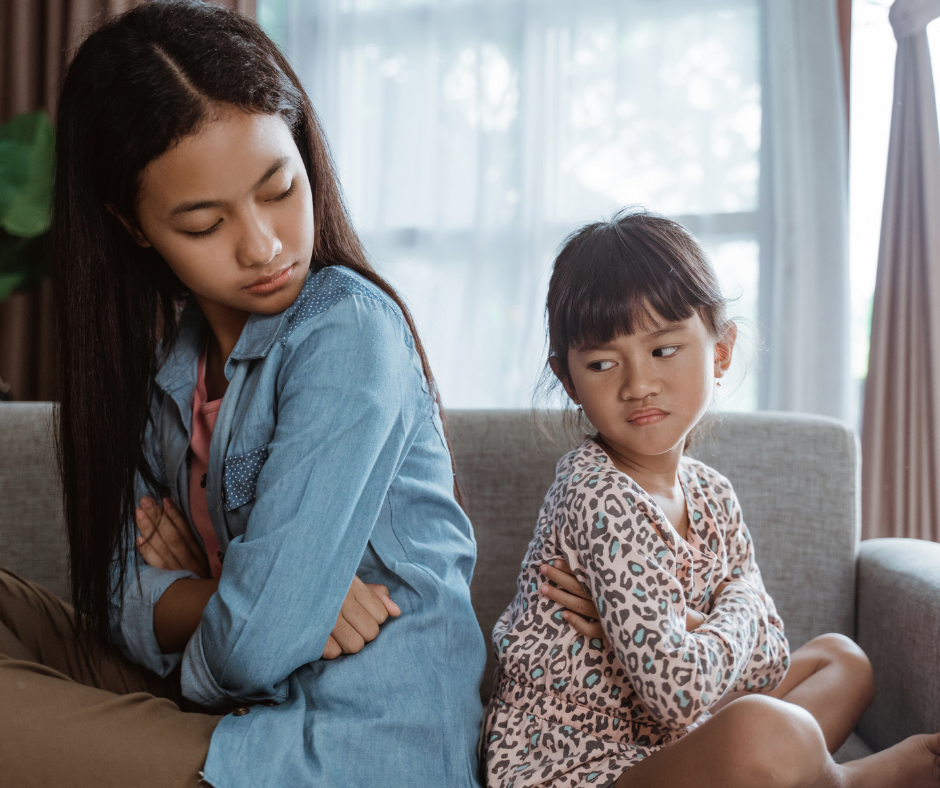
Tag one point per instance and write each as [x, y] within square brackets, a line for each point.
[327, 460]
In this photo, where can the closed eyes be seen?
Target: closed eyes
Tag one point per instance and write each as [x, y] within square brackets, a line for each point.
[203, 233]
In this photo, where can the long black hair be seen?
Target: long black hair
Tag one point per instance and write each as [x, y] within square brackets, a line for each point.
[136, 86]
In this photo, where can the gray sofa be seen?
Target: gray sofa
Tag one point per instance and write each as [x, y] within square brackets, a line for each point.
[797, 478]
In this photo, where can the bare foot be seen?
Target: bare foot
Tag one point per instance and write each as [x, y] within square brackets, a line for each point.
[912, 763]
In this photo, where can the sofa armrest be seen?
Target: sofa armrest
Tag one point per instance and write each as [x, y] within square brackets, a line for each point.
[899, 628]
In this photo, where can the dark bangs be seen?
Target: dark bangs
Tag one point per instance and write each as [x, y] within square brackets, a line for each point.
[625, 275]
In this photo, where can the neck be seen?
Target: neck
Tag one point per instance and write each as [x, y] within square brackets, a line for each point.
[655, 473]
[226, 324]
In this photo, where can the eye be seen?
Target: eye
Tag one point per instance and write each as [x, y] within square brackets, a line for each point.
[203, 233]
[665, 352]
[600, 366]
[284, 195]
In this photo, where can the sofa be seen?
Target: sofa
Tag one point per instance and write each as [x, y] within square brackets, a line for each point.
[798, 481]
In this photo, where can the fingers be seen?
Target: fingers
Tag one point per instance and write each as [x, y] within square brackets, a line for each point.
[359, 618]
[382, 593]
[332, 649]
[162, 518]
[170, 542]
[181, 526]
[368, 603]
[152, 547]
[563, 578]
[150, 555]
[580, 605]
[590, 629]
[364, 608]
[347, 636]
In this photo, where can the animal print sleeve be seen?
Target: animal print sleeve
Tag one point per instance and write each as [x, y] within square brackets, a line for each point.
[770, 658]
[631, 574]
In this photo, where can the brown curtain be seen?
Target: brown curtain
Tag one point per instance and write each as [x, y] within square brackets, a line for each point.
[901, 427]
[37, 40]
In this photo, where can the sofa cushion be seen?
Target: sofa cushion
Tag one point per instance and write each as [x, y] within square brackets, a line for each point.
[796, 477]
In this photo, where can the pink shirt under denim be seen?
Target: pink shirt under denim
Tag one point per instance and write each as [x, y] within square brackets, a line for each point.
[204, 415]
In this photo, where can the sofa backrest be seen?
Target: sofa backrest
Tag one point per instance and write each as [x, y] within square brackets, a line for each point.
[796, 477]
[32, 532]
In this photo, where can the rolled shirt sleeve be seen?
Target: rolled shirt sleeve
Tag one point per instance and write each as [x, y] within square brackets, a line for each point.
[351, 396]
[131, 609]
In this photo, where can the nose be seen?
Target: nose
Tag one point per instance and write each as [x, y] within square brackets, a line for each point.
[259, 243]
[639, 381]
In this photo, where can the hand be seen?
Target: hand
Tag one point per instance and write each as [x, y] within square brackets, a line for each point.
[366, 606]
[564, 588]
[167, 541]
[693, 620]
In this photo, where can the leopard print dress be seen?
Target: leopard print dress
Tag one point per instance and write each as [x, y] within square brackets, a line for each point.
[572, 712]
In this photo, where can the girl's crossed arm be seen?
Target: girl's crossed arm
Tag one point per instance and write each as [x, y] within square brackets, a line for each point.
[678, 674]
[743, 585]
[352, 399]
[167, 542]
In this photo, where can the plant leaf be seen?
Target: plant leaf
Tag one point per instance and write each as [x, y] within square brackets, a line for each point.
[26, 149]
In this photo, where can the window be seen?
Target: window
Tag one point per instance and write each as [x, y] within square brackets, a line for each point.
[471, 137]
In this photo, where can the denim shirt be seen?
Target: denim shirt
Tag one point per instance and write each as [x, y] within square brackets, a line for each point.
[327, 460]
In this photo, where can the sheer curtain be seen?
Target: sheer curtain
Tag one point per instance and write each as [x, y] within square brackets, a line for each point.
[805, 306]
[472, 136]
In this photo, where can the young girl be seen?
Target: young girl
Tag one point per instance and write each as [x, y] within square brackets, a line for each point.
[689, 680]
[248, 423]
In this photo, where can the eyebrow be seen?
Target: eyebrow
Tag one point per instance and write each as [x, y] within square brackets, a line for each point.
[670, 329]
[673, 329]
[196, 205]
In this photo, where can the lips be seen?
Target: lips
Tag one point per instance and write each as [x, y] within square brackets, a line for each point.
[268, 284]
[645, 416]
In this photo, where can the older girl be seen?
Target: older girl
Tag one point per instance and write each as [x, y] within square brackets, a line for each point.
[690, 680]
[248, 423]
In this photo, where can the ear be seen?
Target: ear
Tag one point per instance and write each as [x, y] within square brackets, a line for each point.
[565, 381]
[133, 229]
[724, 347]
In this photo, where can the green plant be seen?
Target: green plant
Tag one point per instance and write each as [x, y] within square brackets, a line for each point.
[26, 155]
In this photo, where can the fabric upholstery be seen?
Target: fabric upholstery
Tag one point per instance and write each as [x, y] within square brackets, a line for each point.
[795, 477]
[899, 629]
[32, 534]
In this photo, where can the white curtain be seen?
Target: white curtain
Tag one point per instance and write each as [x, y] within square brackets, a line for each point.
[901, 430]
[471, 136]
[805, 297]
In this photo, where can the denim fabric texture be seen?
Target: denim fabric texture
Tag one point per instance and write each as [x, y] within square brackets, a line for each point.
[327, 460]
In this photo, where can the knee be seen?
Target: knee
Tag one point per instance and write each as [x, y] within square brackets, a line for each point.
[846, 653]
[772, 742]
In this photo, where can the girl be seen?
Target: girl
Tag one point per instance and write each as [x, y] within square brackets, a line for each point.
[230, 362]
[690, 681]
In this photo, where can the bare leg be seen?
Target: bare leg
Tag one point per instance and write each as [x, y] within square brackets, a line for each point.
[832, 679]
[758, 741]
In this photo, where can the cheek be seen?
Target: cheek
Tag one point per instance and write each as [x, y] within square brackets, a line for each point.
[695, 381]
[197, 268]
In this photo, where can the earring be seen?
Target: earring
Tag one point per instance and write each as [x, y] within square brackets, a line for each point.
[580, 411]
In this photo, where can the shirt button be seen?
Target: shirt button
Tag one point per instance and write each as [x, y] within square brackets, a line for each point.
[202, 482]
[240, 712]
